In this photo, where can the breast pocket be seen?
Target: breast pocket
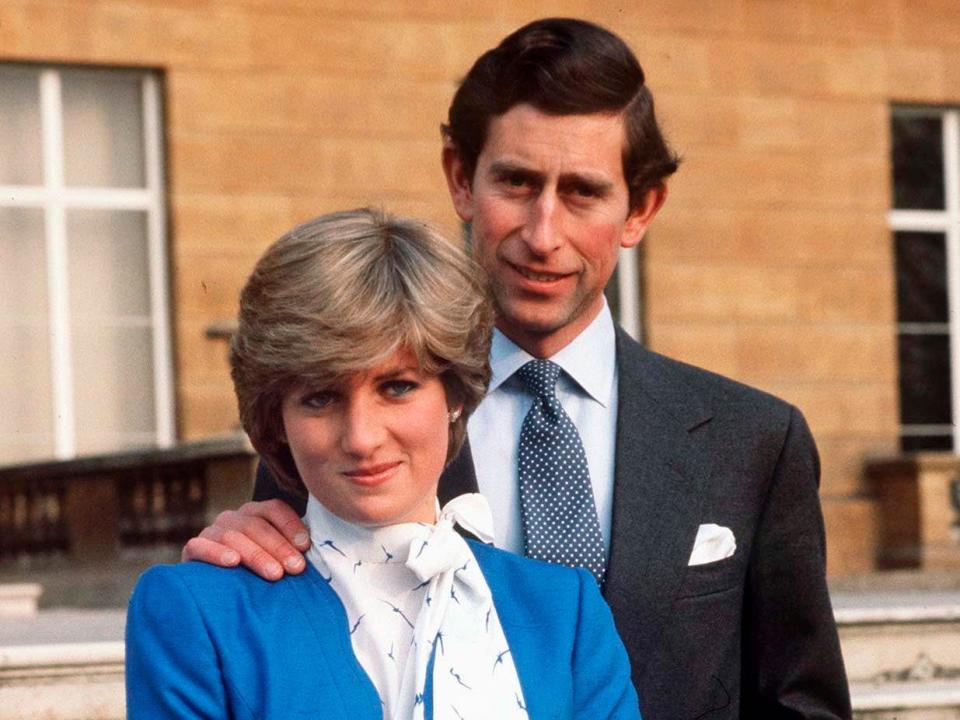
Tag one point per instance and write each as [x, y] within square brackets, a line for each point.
[712, 577]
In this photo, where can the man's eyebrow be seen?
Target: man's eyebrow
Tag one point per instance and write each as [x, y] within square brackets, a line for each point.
[599, 183]
[508, 167]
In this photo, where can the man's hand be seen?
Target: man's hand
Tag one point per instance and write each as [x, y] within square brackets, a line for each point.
[266, 537]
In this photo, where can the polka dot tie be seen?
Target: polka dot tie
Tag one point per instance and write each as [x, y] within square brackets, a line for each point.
[557, 510]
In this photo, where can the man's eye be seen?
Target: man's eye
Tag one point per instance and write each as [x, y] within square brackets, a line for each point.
[586, 191]
[515, 180]
[399, 388]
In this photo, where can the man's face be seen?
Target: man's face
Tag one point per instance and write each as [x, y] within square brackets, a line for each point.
[549, 210]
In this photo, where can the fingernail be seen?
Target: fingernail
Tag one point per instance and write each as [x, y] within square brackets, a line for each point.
[274, 570]
[230, 557]
[294, 562]
[301, 539]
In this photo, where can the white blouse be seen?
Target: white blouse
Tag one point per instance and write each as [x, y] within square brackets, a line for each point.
[414, 590]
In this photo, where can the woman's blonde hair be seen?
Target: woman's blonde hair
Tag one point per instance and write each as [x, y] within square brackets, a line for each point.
[341, 294]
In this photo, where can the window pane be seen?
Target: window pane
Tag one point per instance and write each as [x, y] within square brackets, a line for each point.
[20, 133]
[114, 390]
[924, 379]
[23, 277]
[910, 443]
[921, 277]
[102, 129]
[110, 323]
[109, 264]
[917, 162]
[26, 418]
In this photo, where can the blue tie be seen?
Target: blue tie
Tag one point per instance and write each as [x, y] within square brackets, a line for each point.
[558, 514]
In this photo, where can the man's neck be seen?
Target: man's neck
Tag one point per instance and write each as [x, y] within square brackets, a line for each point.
[547, 344]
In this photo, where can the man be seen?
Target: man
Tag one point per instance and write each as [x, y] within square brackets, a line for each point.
[701, 518]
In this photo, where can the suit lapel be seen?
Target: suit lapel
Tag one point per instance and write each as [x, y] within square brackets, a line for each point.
[661, 464]
[459, 476]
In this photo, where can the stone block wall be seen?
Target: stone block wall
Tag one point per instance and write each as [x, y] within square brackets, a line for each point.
[771, 261]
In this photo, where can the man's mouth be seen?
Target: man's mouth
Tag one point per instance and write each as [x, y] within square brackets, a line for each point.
[538, 276]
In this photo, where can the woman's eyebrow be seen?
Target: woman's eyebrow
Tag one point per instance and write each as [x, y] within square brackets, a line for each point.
[397, 371]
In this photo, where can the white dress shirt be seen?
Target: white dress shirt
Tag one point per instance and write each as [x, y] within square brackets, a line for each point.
[587, 389]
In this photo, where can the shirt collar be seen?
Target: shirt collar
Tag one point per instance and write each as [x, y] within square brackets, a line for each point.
[590, 359]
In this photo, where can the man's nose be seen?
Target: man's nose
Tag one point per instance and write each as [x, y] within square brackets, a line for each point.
[362, 429]
[540, 231]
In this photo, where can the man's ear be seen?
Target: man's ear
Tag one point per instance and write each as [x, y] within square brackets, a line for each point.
[641, 216]
[458, 182]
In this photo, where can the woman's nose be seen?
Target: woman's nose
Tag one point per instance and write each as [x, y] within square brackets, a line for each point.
[362, 430]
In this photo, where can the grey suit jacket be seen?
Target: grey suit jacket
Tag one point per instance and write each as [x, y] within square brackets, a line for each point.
[751, 636]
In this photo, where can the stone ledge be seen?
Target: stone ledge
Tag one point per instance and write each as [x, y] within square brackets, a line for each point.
[895, 696]
[61, 659]
[897, 614]
[82, 681]
[19, 599]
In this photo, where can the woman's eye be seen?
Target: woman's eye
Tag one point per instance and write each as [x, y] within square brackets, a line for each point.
[399, 388]
[318, 400]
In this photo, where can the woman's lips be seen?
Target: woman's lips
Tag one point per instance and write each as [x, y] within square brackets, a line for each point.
[371, 475]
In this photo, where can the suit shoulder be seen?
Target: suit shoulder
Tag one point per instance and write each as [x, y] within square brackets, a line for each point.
[670, 377]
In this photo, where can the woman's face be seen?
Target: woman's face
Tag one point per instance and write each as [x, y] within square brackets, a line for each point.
[371, 448]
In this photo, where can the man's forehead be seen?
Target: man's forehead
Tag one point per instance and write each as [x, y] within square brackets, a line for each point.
[527, 138]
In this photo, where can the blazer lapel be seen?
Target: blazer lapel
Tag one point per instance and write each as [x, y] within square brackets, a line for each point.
[660, 466]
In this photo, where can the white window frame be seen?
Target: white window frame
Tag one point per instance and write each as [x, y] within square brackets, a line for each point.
[628, 287]
[946, 221]
[54, 198]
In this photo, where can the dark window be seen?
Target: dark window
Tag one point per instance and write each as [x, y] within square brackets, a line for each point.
[924, 237]
[924, 379]
[916, 443]
[921, 277]
[918, 162]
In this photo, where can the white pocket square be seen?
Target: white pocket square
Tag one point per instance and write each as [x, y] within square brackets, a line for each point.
[714, 542]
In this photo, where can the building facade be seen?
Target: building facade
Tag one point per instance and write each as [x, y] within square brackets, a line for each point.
[150, 150]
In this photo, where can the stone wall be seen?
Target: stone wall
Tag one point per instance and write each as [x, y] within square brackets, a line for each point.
[771, 261]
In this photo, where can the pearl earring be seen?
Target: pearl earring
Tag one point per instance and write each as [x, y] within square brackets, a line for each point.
[454, 415]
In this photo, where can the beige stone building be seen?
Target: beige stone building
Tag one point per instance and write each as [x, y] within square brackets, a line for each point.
[774, 260]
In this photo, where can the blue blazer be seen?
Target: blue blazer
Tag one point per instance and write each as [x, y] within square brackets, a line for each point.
[207, 642]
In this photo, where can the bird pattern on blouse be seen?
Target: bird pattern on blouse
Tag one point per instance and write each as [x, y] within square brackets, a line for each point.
[411, 591]
[557, 509]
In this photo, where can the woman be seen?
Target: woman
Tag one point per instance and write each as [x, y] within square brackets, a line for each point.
[361, 350]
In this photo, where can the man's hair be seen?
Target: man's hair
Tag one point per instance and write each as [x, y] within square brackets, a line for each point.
[563, 66]
[341, 294]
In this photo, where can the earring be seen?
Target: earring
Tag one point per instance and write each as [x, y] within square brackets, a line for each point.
[454, 415]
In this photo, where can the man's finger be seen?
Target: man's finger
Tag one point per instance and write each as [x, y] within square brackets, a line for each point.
[257, 540]
[208, 551]
[252, 554]
[258, 536]
[281, 516]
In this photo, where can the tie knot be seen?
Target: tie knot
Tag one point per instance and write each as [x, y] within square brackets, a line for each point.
[540, 377]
